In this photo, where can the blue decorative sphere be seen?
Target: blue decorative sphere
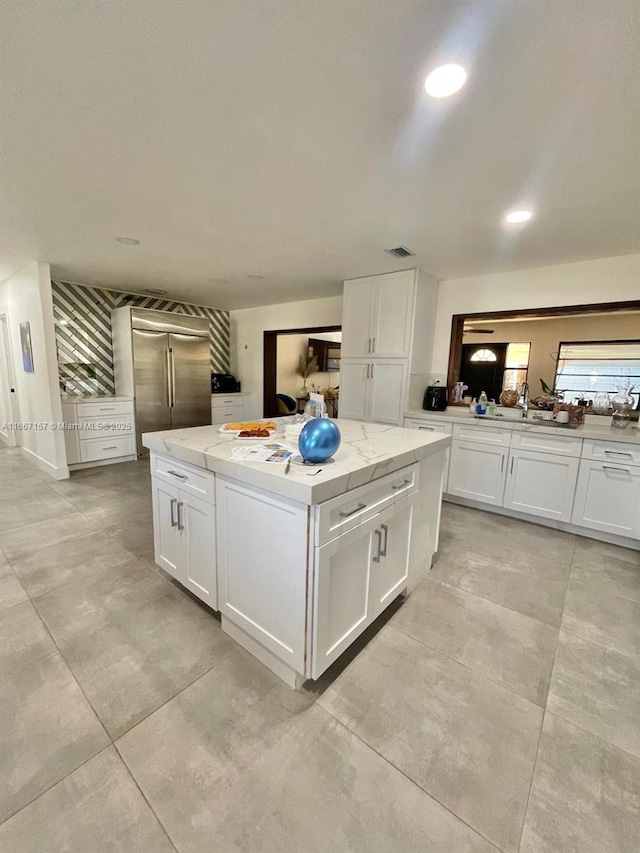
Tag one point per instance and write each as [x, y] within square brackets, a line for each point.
[319, 440]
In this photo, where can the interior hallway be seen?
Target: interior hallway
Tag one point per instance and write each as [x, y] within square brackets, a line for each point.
[496, 709]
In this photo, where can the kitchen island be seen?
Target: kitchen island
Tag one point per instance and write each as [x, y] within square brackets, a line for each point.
[298, 563]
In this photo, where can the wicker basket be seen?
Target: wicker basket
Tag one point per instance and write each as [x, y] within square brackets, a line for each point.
[509, 398]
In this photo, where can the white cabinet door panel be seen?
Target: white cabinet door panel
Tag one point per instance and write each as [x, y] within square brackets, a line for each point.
[387, 391]
[262, 578]
[167, 543]
[354, 388]
[477, 471]
[341, 595]
[608, 498]
[393, 312]
[357, 311]
[541, 484]
[390, 560]
[198, 522]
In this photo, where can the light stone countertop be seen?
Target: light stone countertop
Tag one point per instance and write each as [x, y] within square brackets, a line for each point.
[604, 432]
[367, 452]
[97, 398]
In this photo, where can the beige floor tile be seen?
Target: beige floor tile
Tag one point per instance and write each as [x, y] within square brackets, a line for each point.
[585, 796]
[26, 540]
[507, 647]
[98, 807]
[603, 574]
[598, 689]
[535, 590]
[47, 730]
[136, 537]
[11, 590]
[468, 742]
[24, 639]
[56, 565]
[255, 737]
[134, 645]
[592, 614]
[587, 547]
[42, 503]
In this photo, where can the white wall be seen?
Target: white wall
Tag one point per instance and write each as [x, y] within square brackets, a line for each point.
[603, 280]
[248, 326]
[26, 296]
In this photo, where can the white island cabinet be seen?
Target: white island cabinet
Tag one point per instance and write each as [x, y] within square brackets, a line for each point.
[298, 566]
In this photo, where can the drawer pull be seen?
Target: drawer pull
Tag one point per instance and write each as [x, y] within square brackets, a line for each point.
[111, 447]
[180, 519]
[176, 474]
[353, 511]
[376, 559]
[431, 429]
[401, 485]
[611, 468]
[174, 502]
[105, 409]
[619, 453]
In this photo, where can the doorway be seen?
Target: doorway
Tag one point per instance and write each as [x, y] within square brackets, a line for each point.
[8, 413]
[281, 378]
[482, 369]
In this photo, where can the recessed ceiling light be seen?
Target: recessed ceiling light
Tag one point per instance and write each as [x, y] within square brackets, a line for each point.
[445, 81]
[255, 275]
[128, 241]
[518, 216]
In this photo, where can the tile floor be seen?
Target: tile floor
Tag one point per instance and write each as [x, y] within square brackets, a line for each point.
[497, 709]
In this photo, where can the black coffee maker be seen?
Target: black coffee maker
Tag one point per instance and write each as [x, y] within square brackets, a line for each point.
[435, 398]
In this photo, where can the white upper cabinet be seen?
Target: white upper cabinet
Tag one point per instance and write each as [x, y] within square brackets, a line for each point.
[373, 389]
[378, 315]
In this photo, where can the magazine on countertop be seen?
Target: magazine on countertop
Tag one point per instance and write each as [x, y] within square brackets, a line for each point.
[278, 454]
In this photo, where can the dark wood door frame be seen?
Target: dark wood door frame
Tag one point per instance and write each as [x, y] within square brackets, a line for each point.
[458, 321]
[270, 361]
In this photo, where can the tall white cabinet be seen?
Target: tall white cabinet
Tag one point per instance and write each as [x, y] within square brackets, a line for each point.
[388, 325]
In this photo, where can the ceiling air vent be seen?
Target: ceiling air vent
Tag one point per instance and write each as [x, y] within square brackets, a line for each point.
[400, 252]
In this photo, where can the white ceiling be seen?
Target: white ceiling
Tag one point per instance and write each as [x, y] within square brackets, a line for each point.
[294, 139]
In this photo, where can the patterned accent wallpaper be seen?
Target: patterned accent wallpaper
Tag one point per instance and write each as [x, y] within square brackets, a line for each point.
[83, 334]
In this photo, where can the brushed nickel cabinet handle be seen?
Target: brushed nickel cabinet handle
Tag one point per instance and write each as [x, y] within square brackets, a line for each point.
[376, 559]
[111, 447]
[373, 346]
[385, 527]
[353, 511]
[180, 518]
[502, 465]
[511, 468]
[611, 468]
[174, 502]
[619, 453]
[401, 485]
[176, 474]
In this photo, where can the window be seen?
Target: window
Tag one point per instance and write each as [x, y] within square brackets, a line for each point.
[516, 366]
[585, 369]
[484, 355]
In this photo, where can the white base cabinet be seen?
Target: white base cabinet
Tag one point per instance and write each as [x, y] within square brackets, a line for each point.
[357, 576]
[184, 528]
[608, 498]
[477, 471]
[541, 484]
[434, 426]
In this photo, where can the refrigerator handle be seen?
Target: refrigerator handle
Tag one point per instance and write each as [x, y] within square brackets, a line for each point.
[170, 378]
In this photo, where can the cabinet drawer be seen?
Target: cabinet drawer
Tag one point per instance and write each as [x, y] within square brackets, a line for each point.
[612, 451]
[195, 481]
[430, 425]
[110, 426]
[482, 434]
[224, 400]
[107, 448]
[345, 512]
[91, 410]
[226, 414]
[541, 442]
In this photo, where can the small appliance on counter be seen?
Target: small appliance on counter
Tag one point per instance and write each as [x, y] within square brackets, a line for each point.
[224, 383]
[435, 398]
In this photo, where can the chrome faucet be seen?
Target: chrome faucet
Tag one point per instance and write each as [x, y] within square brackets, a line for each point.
[524, 399]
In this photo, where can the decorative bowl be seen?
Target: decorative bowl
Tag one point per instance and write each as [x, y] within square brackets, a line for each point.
[509, 398]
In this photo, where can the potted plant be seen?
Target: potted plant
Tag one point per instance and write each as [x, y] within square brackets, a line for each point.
[307, 364]
[547, 399]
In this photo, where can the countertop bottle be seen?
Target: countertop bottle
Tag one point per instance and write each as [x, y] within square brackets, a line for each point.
[481, 407]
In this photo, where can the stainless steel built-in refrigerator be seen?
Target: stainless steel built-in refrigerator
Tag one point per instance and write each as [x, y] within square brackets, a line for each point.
[162, 360]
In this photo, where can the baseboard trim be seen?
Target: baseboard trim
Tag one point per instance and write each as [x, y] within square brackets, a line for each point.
[78, 466]
[59, 473]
